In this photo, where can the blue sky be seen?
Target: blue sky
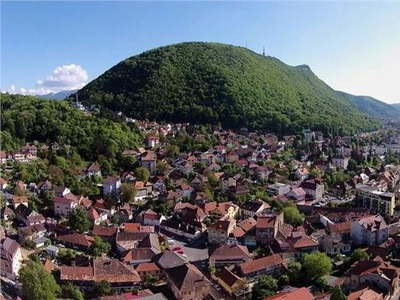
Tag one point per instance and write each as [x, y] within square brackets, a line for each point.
[50, 46]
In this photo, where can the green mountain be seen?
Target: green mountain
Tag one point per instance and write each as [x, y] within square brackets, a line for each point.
[214, 83]
[373, 107]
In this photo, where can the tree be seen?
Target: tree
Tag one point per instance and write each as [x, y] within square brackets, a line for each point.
[79, 220]
[142, 174]
[266, 286]
[292, 215]
[161, 167]
[102, 288]
[127, 193]
[316, 264]
[70, 291]
[173, 150]
[294, 272]
[352, 165]
[321, 283]
[337, 294]
[358, 254]
[37, 283]
[98, 247]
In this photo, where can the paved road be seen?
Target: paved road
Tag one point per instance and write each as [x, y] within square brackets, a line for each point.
[194, 252]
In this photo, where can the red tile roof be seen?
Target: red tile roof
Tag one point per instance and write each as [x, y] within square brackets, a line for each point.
[298, 294]
[261, 263]
[147, 267]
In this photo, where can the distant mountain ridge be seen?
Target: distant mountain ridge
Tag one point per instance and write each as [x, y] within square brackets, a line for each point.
[57, 96]
[212, 83]
[396, 106]
[373, 107]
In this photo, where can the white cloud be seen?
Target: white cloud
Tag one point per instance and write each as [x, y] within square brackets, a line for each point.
[66, 77]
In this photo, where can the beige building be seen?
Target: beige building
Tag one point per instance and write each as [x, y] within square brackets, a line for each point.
[376, 201]
[219, 232]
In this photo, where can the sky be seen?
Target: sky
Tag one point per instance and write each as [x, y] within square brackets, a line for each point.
[54, 46]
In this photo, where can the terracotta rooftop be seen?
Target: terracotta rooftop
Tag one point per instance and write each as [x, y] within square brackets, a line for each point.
[103, 231]
[187, 277]
[76, 239]
[266, 221]
[261, 263]
[111, 270]
[229, 278]
[298, 294]
[247, 224]
[230, 252]
[147, 267]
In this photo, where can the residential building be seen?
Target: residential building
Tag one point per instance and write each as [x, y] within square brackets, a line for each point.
[231, 283]
[228, 255]
[63, 206]
[273, 265]
[11, 258]
[371, 230]
[148, 160]
[267, 227]
[218, 233]
[187, 282]
[17, 200]
[111, 186]
[277, 189]
[251, 208]
[340, 162]
[314, 188]
[119, 275]
[296, 294]
[373, 273]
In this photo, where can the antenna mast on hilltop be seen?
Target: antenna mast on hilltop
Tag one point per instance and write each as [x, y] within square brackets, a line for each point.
[263, 50]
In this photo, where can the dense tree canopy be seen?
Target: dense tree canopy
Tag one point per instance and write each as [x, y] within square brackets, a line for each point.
[37, 283]
[27, 119]
[265, 286]
[78, 219]
[213, 83]
[316, 264]
[99, 247]
[292, 215]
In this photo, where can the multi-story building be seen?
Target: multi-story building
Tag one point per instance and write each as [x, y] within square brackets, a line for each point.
[148, 161]
[64, 205]
[267, 227]
[376, 201]
[111, 186]
[11, 258]
[371, 230]
[219, 232]
[187, 282]
[268, 265]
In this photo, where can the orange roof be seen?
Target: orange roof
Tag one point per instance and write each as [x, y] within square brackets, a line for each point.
[365, 294]
[146, 267]
[261, 263]
[301, 293]
[19, 199]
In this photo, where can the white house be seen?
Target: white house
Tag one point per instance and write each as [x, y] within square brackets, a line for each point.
[111, 186]
[340, 162]
[371, 230]
[11, 258]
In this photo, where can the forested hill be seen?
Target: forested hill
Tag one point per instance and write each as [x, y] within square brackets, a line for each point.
[216, 83]
[27, 119]
[373, 107]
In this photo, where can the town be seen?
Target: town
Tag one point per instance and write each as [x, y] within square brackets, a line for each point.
[207, 213]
